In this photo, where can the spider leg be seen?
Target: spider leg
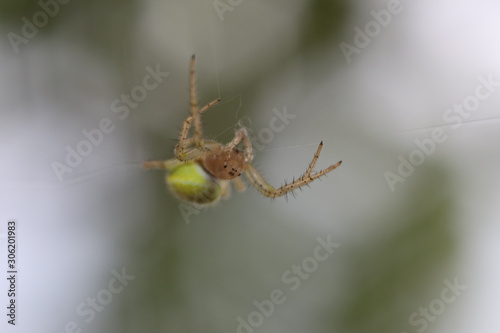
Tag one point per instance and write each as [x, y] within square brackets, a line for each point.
[161, 165]
[184, 141]
[190, 154]
[266, 189]
[242, 135]
[193, 102]
[239, 184]
[226, 189]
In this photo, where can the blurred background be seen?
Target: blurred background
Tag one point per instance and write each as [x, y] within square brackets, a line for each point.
[405, 93]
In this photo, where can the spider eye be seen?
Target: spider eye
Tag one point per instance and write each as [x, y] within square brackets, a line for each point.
[233, 171]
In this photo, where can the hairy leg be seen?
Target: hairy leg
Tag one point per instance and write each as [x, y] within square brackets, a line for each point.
[268, 190]
[242, 135]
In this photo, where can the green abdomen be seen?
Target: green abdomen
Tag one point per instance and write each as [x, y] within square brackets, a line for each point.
[190, 182]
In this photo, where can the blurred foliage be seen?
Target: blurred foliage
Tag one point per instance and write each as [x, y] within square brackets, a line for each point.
[15, 9]
[105, 26]
[322, 22]
[393, 275]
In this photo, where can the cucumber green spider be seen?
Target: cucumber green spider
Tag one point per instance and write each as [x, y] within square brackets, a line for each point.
[203, 169]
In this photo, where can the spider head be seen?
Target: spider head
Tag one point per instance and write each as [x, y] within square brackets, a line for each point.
[224, 164]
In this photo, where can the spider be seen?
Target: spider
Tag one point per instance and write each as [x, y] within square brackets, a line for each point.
[203, 169]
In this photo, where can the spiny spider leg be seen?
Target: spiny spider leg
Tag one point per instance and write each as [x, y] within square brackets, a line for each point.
[269, 191]
[242, 135]
[193, 102]
[313, 162]
[183, 137]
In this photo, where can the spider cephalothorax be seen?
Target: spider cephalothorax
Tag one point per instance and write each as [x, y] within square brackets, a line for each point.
[202, 169]
[223, 163]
